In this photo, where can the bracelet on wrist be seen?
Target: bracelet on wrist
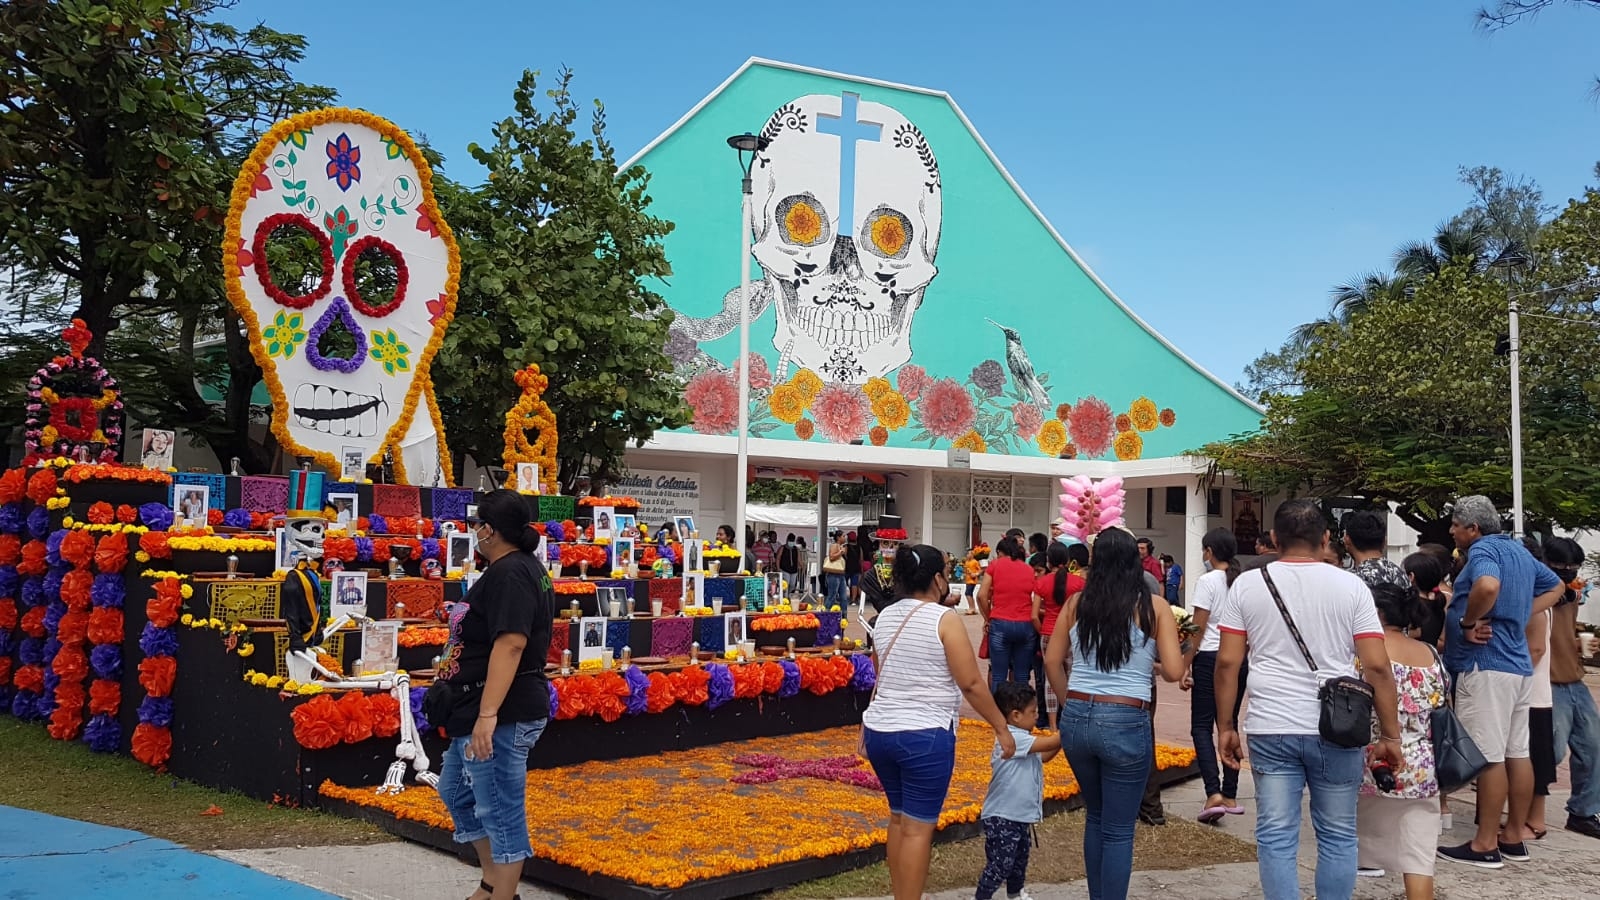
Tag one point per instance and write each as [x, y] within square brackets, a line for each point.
[493, 715]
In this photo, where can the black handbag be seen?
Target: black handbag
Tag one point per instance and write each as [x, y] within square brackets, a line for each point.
[1346, 716]
[442, 699]
[1456, 758]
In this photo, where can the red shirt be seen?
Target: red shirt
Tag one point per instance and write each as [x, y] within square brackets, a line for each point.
[1045, 587]
[1010, 590]
[1153, 566]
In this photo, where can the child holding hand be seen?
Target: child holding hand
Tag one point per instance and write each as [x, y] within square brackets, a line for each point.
[1015, 801]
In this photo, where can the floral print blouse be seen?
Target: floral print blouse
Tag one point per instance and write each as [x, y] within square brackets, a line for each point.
[1419, 691]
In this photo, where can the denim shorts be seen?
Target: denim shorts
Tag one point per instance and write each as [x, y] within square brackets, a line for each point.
[487, 798]
[915, 769]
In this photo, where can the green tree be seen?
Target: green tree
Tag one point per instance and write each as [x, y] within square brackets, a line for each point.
[557, 250]
[123, 125]
[1407, 401]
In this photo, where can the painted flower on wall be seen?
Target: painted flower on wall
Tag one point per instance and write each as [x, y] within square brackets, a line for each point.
[714, 399]
[989, 377]
[1052, 438]
[841, 412]
[803, 429]
[807, 383]
[1144, 414]
[1129, 445]
[946, 409]
[1027, 419]
[788, 404]
[973, 441]
[1063, 410]
[892, 410]
[760, 375]
[1090, 425]
[875, 388]
[879, 435]
[1168, 417]
[681, 348]
[912, 379]
[1124, 423]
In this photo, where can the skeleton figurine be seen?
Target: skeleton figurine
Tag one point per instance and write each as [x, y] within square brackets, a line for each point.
[848, 210]
[301, 597]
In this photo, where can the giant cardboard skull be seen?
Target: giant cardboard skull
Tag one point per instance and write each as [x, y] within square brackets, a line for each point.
[357, 187]
[847, 215]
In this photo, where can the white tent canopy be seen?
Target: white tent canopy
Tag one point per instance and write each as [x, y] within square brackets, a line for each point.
[802, 515]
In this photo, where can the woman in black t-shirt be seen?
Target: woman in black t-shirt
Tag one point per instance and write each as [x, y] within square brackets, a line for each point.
[499, 636]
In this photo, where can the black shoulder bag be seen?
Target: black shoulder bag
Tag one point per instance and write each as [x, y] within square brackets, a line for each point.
[1346, 718]
[1456, 759]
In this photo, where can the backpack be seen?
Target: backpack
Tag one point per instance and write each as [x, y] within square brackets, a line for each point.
[789, 558]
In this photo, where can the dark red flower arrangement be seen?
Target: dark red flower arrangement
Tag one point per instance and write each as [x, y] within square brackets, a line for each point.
[264, 275]
[402, 276]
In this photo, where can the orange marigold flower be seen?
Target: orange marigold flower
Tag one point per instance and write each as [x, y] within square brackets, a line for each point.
[804, 429]
[1144, 415]
[1052, 437]
[1063, 411]
[878, 435]
[1168, 417]
[1123, 422]
[972, 441]
[1129, 445]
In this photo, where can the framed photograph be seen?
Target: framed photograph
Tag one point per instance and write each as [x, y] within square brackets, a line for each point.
[685, 525]
[190, 505]
[591, 638]
[346, 509]
[694, 589]
[609, 595]
[621, 552]
[286, 550]
[733, 630]
[693, 558]
[468, 580]
[627, 526]
[380, 647]
[471, 513]
[352, 464]
[458, 555]
[605, 525]
[528, 478]
[349, 595]
[155, 448]
[774, 588]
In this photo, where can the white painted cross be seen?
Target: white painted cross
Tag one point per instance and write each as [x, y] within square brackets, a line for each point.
[849, 128]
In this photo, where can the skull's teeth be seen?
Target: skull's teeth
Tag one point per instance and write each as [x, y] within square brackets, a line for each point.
[338, 413]
[851, 328]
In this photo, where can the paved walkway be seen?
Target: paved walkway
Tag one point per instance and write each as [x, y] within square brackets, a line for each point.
[45, 856]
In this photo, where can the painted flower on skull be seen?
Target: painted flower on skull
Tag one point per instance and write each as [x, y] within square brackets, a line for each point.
[284, 334]
[343, 160]
[388, 350]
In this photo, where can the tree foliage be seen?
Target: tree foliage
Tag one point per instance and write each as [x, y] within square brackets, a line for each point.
[556, 251]
[123, 125]
[1407, 400]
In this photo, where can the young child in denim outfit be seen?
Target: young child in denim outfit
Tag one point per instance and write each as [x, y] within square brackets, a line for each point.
[1015, 801]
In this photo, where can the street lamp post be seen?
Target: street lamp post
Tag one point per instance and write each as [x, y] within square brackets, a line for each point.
[747, 145]
[1509, 260]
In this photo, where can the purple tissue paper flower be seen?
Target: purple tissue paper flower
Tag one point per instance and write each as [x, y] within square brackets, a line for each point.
[9, 581]
[106, 660]
[32, 593]
[377, 524]
[791, 678]
[430, 549]
[38, 523]
[417, 714]
[156, 711]
[52, 546]
[866, 674]
[22, 705]
[52, 616]
[158, 641]
[51, 648]
[156, 516]
[555, 531]
[52, 583]
[719, 689]
[103, 734]
[236, 518]
[51, 681]
[108, 591]
[363, 549]
[638, 688]
[10, 518]
[31, 651]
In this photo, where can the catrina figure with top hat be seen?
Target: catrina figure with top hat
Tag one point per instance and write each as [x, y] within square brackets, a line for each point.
[877, 587]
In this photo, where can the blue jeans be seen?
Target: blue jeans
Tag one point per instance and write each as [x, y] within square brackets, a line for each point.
[1109, 748]
[914, 768]
[1284, 766]
[838, 589]
[1577, 725]
[1011, 649]
[488, 797]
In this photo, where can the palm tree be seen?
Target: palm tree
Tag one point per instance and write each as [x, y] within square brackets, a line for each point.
[1453, 242]
[1359, 294]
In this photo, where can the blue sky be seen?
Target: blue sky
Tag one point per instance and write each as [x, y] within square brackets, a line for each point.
[1220, 166]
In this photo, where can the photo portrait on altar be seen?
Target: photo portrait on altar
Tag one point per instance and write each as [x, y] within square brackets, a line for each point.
[352, 464]
[156, 449]
[346, 510]
[594, 634]
[190, 505]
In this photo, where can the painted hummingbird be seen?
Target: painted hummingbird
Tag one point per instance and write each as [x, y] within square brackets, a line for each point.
[1022, 368]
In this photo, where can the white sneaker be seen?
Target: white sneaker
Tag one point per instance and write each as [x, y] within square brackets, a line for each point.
[1022, 896]
[1366, 872]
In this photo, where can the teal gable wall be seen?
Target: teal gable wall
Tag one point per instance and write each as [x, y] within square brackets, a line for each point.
[996, 260]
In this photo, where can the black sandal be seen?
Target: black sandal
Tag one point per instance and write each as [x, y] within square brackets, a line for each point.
[486, 886]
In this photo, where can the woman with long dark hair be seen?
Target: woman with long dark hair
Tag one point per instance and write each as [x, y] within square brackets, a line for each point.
[1117, 635]
[1221, 552]
[494, 664]
[925, 666]
[1426, 572]
[1050, 592]
[1005, 597]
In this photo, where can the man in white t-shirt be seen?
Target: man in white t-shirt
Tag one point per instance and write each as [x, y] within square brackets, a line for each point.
[1334, 613]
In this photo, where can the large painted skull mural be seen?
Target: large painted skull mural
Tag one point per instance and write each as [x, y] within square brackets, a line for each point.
[358, 187]
[847, 211]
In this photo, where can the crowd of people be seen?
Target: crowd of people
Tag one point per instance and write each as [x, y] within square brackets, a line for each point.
[1075, 639]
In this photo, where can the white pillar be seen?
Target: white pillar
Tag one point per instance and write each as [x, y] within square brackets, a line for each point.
[824, 488]
[1194, 530]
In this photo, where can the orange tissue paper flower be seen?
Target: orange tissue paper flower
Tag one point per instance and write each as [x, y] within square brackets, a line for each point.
[771, 677]
[33, 559]
[10, 549]
[33, 622]
[77, 548]
[214, 517]
[13, 486]
[65, 723]
[5, 670]
[385, 714]
[42, 486]
[29, 678]
[101, 513]
[157, 673]
[162, 610]
[75, 588]
[152, 745]
[357, 717]
[318, 723]
[660, 696]
[8, 613]
[155, 544]
[74, 628]
[105, 625]
[105, 697]
[111, 554]
[690, 685]
[127, 514]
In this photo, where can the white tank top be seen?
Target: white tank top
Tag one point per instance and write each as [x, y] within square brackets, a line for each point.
[915, 688]
[1540, 695]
